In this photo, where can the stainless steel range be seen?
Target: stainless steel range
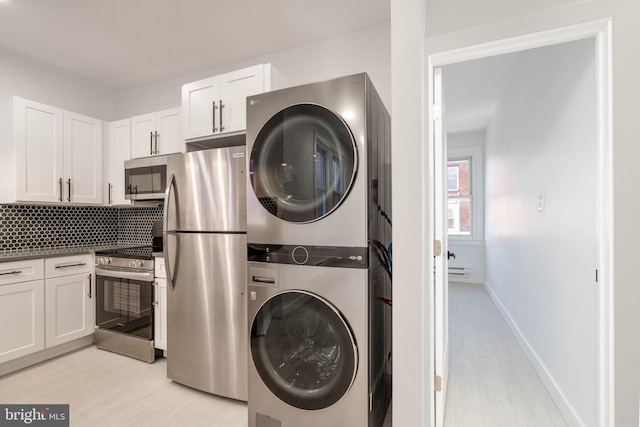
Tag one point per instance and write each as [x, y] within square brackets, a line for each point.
[124, 302]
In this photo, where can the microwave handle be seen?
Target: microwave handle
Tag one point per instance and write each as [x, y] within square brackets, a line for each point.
[165, 228]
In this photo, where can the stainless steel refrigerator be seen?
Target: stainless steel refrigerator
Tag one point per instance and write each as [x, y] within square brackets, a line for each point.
[205, 249]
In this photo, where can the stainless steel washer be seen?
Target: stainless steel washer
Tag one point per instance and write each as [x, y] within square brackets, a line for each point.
[308, 347]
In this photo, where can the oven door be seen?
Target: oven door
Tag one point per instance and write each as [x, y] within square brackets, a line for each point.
[124, 305]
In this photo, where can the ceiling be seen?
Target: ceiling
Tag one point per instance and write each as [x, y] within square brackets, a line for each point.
[124, 44]
[472, 90]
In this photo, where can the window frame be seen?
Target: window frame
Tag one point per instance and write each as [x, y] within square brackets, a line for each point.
[476, 192]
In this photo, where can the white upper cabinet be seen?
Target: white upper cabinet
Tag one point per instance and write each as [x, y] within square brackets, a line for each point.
[117, 152]
[58, 156]
[39, 151]
[83, 158]
[217, 105]
[156, 133]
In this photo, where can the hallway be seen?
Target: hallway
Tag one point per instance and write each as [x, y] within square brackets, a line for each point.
[491, 382]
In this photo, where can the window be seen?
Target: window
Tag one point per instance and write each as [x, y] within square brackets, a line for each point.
[464, 193]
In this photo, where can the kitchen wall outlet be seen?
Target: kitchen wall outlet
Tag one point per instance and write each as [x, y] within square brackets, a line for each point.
[541, 203]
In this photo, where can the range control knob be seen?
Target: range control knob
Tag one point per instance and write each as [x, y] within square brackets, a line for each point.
[139, 264]
[101, 261]
[107, 261]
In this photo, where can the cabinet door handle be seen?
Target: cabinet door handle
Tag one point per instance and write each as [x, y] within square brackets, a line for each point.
[89, 295]
[150, 142]
[215, 129]
[109, 200]
[71, 264]
[61, 189]
[157, 151]
[11, 272]
[69, 188]
[221, 107]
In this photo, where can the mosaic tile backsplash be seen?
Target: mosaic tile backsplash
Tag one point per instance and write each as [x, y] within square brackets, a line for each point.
[25, 227]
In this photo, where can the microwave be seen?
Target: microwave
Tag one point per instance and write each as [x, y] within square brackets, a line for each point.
[145, 178]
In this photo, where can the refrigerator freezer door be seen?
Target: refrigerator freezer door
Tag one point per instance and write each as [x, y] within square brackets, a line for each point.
[207, 315]
[206, 191]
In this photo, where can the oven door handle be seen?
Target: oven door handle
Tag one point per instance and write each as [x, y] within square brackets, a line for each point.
[120, 274]
[166, 231]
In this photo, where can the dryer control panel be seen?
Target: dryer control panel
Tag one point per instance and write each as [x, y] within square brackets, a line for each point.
[320, 256]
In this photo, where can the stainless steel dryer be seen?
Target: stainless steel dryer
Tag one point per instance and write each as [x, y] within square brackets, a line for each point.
[313, 159]
[318, 233]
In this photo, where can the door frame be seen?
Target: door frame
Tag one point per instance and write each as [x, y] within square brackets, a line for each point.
[601, 31]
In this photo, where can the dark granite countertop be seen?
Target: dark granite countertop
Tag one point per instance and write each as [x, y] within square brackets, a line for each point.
[61, 251]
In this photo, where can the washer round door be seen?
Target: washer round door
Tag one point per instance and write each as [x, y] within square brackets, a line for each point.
[303, 350]
[303, 163]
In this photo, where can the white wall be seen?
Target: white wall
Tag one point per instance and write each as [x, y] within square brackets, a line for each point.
[542, 140]
[34, 80]
[412, 299]
[468, 253]
[368, 51]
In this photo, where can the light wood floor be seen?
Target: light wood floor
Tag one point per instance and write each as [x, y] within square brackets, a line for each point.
[107, 389]
[491, 381]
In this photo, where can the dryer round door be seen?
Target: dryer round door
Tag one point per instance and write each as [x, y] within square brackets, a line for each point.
[303, 163]
[303, 350]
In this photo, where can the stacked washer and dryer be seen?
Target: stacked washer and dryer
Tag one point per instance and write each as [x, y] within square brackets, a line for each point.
[319, 270]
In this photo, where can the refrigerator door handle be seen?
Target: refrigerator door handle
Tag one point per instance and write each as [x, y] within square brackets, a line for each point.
[165, 228]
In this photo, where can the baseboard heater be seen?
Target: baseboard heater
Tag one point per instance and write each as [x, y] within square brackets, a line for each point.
[459, 271]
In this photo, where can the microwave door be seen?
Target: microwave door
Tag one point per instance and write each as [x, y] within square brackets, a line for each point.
[140, 181]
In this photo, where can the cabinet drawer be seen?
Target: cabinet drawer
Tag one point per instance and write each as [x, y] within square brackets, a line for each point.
[21, 271]
[160, 271]
[64, 266]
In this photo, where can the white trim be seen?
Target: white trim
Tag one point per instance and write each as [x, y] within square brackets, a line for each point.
[601, 30]
[568, 413]
[604, 219]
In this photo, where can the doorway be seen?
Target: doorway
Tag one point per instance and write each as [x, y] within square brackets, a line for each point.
[543, 249]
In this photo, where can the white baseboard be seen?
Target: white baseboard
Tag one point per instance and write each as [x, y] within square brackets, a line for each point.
[566, 409]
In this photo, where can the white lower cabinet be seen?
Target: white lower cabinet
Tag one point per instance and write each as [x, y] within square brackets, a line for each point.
[44, 303]
[70, 306]
[160, 313]
[160, 305]
[21, 318]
